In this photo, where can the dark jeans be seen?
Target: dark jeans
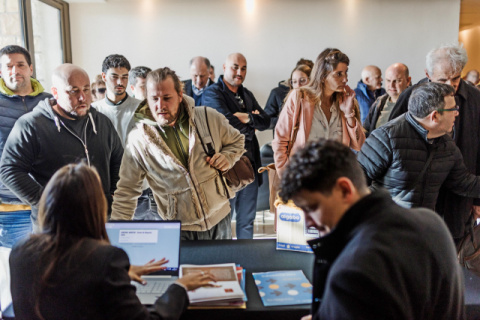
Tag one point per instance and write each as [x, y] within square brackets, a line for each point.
[245, 207]
[222, 231]
[146, 207]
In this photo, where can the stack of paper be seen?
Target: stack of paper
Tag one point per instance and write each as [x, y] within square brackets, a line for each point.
[227, 290]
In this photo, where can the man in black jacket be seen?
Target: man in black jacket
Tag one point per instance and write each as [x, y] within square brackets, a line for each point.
[229, 97]
[377, 260]
[444, 65]
[414, 155]
[50, 137]
[397, 79]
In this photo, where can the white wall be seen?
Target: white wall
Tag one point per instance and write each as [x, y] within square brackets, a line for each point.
[272, 34]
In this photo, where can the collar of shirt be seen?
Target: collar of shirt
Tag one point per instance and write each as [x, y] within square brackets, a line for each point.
[109, 102]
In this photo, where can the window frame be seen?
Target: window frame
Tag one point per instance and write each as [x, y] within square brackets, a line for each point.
[27, 27]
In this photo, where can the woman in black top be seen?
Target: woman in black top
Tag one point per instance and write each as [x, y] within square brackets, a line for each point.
[70, 270]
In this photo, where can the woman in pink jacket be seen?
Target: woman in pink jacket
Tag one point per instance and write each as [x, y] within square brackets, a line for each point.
[325, 108]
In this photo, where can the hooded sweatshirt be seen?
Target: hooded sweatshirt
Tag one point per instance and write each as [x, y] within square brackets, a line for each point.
[40, 144]
[12, 107]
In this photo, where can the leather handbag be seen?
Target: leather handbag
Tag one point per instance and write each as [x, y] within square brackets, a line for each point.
[468, 250]
[237, 177]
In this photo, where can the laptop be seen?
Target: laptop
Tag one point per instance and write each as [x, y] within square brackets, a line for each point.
[144, 241]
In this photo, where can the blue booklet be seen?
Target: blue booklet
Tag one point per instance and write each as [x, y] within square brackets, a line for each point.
[283, 288]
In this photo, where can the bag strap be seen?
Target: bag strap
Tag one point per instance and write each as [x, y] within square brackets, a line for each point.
[208, 146]
[295, 130]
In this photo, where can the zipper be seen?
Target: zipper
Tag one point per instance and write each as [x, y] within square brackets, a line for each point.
[24, 104]
[84, 144]
[188, 172]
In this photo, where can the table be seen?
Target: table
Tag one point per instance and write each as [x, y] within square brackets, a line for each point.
[255, 256]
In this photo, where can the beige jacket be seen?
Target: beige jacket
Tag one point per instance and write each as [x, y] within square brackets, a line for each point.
[195, 196]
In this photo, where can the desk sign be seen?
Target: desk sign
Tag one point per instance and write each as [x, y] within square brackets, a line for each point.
[292, 233]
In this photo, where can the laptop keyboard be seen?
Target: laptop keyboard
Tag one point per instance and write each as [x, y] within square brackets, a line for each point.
[155, 287]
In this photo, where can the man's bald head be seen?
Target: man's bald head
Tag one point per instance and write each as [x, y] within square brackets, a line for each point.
[199, 71]
[372, 77]
[64, 72]
[397, 79]
[71, 89]
[235, 70]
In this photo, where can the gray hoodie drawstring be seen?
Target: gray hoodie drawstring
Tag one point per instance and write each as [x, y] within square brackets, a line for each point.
[93, 123]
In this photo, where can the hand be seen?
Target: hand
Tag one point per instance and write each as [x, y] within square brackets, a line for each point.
[218, 161]
[255, 112]
[476, 212]
[307, 317]
[196, 280]
[346, 101]
[242, 116]
[135, 272]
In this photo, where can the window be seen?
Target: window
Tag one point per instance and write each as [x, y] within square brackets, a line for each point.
[46, 34]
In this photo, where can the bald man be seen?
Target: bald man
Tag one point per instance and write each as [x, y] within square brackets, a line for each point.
[369, 89]
[229, 97]
[200, 79]
[397, 79]
[58, 133]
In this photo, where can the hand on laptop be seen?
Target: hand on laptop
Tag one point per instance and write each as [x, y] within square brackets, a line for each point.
[194, 281]
[135, 272]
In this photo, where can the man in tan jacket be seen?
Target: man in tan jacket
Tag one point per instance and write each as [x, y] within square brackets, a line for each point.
[164, 148]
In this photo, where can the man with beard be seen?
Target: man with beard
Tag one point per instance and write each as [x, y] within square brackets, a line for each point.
[117, 105]
[53, 135]
[229, 97]
[19, 93]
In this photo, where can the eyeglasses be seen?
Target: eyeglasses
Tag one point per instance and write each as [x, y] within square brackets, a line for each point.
[302, 81]
[101, 90]
[456, 108]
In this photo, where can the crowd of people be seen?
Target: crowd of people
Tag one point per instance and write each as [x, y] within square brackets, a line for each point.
[334, 147]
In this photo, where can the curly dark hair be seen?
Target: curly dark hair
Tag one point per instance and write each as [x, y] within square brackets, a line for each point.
[317, 167]
[115, 61]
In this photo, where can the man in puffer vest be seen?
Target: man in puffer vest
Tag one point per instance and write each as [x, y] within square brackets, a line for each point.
[19, 93]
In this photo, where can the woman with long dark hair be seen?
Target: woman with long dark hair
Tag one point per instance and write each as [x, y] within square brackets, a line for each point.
[324, 108]
[70, 270]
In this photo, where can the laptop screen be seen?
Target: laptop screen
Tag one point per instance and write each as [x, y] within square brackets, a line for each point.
[147, 240]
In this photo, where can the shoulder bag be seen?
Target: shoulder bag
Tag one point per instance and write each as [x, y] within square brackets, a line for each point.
[237, 177]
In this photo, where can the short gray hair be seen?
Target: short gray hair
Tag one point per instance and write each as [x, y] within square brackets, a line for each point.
[456, 55]
[428, 97]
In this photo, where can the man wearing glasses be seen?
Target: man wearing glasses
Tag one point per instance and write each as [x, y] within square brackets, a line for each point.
[414, 155]
[58, 133]
[444, 64]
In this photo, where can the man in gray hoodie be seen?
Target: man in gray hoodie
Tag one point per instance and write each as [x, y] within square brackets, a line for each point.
[53, 135]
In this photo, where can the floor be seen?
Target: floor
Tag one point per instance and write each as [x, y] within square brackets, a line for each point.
[264, 226]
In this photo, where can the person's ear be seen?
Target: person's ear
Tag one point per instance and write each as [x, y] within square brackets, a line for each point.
[346, 187]
[104, 77]
[428, 76]
[54, 92]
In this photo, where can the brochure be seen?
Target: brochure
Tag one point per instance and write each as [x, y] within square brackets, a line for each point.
[283, 288]
[227, 286]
